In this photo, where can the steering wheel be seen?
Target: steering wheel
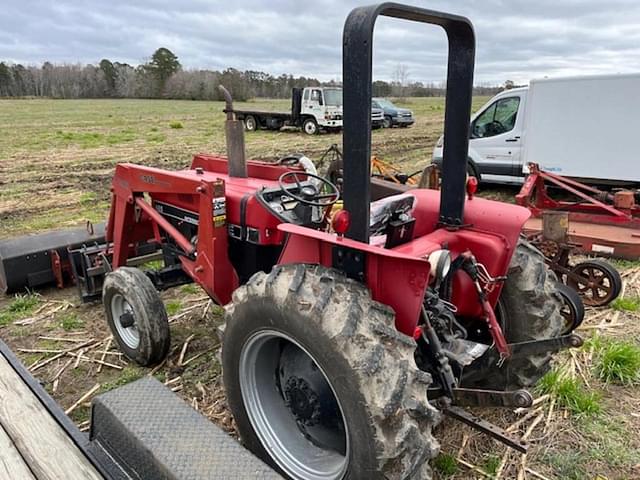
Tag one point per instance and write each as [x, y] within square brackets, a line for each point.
[497, 127]
[310, 190]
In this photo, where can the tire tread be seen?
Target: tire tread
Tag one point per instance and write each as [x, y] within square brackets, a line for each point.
[363, 333]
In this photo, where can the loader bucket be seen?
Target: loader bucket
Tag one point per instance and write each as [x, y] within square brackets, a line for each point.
[36, 260]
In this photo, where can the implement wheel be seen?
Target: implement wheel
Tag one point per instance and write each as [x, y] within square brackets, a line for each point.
[597, 282]
[529, 308]
[320, 383]
[136, 316]
[572, 308]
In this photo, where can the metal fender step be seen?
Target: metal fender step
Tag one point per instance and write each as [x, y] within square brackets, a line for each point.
[153, 434]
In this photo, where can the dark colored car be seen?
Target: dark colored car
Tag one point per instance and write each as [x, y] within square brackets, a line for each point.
[393, 115]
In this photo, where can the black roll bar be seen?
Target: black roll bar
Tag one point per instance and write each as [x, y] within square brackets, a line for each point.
[357, 78]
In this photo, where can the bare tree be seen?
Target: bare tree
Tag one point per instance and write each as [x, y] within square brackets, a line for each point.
[125, 85]
[400, 81]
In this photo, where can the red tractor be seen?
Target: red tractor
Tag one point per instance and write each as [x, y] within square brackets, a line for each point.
[347, 334]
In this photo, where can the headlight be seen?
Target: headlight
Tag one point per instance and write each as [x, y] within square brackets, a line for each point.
[440, 141]
[440, 261]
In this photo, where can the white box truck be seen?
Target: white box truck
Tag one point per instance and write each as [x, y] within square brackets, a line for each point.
[580, 127]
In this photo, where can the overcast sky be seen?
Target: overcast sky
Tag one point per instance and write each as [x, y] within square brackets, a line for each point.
[518, 39]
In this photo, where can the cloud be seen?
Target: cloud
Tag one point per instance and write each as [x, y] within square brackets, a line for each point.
[517, 39]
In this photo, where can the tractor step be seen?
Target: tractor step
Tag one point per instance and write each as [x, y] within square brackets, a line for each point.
[151, 433]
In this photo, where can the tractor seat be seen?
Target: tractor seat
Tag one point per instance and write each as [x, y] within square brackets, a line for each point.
[391, 220]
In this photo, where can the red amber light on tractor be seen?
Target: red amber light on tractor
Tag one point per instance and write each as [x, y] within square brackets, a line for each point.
[417, 333]
[472, 187]
[341, 222]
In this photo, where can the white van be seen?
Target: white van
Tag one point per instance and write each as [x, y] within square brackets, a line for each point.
[581, 127]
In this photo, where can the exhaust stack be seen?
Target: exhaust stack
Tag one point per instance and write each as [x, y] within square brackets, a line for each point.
[234, 134]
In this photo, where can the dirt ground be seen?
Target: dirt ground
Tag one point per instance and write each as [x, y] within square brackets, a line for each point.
[56, 161]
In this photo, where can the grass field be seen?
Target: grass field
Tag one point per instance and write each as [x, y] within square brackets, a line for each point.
[57, 157]
[56, 162]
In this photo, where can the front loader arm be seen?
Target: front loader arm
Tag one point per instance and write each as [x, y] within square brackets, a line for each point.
[133, 218]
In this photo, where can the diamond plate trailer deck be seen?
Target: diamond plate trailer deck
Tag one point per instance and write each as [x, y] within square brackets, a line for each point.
[139, 431]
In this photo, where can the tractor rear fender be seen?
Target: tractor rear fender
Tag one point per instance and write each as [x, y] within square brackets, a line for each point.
[492, 249]
[394, 278]
[491, 231]
[398, 277]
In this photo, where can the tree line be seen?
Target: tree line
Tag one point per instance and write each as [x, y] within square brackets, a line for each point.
[163, 77]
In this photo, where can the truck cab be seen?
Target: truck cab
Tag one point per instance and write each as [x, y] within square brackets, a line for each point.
[322, 106]
[495, 138]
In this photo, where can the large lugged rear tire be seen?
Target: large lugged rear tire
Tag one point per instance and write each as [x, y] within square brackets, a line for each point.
[529, 309]
[332, 324]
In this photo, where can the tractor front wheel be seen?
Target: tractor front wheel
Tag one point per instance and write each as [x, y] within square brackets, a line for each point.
[136, 316]
[320, 383]
[529, 308]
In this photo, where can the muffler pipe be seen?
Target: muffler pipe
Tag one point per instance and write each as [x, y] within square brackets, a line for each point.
[234, 134]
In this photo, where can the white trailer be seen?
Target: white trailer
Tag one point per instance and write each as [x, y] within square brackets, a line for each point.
[581, 127]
